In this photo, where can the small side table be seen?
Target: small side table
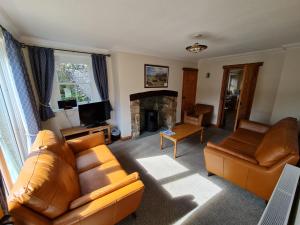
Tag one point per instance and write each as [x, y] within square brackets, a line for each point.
[75, 132]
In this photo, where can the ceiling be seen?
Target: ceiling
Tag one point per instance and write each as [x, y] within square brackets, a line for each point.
[158, 27]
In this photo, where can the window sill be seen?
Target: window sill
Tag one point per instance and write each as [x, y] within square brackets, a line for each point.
[61, 110]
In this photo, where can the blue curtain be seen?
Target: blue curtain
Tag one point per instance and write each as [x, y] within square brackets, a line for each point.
[22, 82]
[42, 65]
[100, 75]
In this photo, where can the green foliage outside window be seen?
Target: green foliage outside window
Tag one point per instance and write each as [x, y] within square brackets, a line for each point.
[74, 82]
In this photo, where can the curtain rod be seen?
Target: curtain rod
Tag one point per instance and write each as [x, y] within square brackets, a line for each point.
[65, 50]
[23, 45]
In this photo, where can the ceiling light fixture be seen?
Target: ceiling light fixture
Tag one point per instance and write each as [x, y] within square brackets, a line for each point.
[196, 48]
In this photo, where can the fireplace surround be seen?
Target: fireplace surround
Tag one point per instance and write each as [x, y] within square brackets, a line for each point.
[164, 101]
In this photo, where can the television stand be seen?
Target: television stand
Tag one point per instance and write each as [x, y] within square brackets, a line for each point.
[75, 132]
[93, 125]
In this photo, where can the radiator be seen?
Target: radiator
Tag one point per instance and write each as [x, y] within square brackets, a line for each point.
[279, 208]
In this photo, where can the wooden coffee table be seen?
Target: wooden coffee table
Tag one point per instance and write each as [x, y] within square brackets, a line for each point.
[182, 131]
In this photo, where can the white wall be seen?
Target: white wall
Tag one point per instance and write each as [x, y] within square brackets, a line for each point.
[208, 90]
[129, 77]
[287, 101]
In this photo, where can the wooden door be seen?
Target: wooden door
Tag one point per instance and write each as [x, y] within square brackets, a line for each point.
[189, 88]
[250, 73]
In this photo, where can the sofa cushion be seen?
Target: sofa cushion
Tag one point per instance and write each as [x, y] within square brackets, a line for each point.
[280, 140]
[247, 136]
[46, 139]
[93, 157]
[101, 176]
[46, 184]
[239, 149]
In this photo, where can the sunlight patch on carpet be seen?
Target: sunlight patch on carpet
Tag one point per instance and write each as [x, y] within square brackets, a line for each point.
[199, 187]
[194, 185]
[161, 167]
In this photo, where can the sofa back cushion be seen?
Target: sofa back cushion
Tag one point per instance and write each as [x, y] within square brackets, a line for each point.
[86, 142]
[46, 139]
[279, 141]
[46, 184]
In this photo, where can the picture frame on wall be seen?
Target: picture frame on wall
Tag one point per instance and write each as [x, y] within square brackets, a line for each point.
[156, 76]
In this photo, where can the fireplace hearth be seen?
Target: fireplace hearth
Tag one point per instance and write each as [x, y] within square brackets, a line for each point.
[163, 102]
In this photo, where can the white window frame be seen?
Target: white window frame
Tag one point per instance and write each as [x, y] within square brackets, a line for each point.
[76, 58]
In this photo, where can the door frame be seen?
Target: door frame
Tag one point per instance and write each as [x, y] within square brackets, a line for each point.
[226, 70]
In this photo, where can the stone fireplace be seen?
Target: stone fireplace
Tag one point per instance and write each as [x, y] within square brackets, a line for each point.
[163, 101]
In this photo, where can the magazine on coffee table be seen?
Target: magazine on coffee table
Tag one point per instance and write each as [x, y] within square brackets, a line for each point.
[168, 132]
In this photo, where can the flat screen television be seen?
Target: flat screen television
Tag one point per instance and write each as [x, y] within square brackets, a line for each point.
[94, 114]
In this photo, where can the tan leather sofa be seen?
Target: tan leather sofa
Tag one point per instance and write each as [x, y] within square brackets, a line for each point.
[78, 182]
[253, 157]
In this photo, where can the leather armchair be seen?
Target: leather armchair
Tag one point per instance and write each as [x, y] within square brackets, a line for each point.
[195, 119]
[254, 156]
[77, 182]
[199, 115]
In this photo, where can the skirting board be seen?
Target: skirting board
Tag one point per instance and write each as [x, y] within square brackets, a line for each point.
[211, 125]
[126, 138]
[129, 137]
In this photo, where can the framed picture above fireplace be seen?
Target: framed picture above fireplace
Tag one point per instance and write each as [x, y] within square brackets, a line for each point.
[156, 76]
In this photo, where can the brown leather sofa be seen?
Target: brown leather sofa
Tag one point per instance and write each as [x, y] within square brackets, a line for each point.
[199, 115]
[78, 182]
[253, 157]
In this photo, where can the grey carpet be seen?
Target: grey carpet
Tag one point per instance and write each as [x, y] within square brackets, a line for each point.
[231, 205]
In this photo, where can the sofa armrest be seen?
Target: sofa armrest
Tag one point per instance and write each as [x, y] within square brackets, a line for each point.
[254, 126]
[109, 209]
[86, 142]
[104, 191]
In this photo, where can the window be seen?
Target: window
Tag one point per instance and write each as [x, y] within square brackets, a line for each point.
[73, 79]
